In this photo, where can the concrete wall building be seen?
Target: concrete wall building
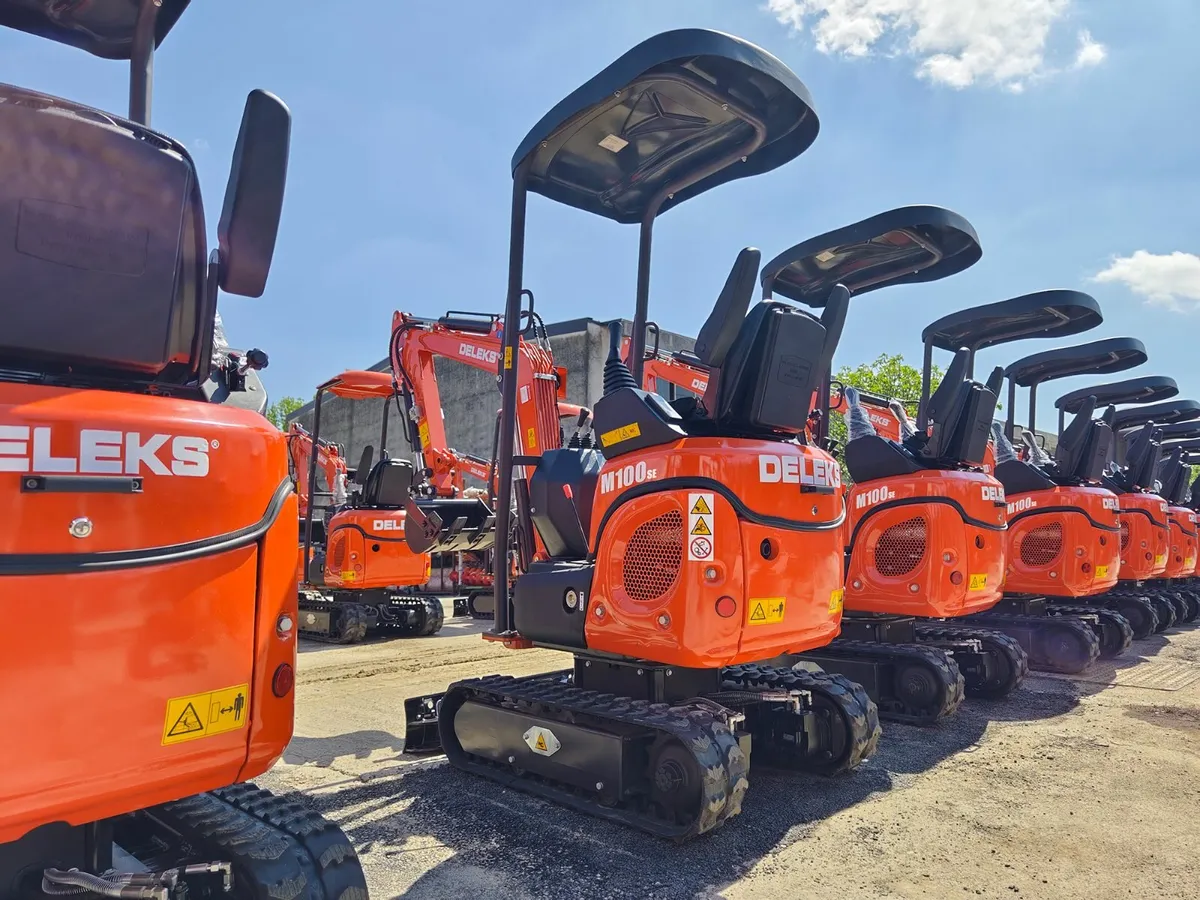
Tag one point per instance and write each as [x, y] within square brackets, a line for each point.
[471, 397]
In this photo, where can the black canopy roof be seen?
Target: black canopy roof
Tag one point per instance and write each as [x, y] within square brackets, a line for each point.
[1045, 314]
[1097, 358]
[1147, 389]
[901, 246]
[676, 115]
[103, 28]
[1158, 413]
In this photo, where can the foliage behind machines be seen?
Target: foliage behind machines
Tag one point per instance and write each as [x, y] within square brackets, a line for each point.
[151, 519]
[667, 552]
[1131, 469]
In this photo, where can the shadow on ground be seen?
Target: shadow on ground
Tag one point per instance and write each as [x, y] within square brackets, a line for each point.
[357, 744]
[511, 845]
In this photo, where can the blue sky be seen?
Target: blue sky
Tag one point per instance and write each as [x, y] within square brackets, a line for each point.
[1065, 131]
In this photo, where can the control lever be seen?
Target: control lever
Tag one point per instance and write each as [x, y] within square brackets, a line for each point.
[253, 359]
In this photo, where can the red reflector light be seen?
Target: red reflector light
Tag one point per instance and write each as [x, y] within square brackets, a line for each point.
[1086, 568]
[956, 578]
[726, 607]
[283, 681]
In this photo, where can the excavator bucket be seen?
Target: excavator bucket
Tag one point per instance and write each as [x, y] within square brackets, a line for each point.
[449, 525]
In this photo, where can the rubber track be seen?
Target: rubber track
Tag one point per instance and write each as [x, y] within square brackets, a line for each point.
[1193, 604]
[1165, 609]
[857, 711]
[549, 697]
[1179, 604]
[1084, 637]
[279, 849]
[1015, 658]
[349, 621]
[952, 687]
[1116, 632]
[1125, 604]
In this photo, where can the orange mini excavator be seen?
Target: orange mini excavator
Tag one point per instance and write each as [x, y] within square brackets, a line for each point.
[331, 463]
[1063, 527]
[670, 549]
[924, 534]
[149, 529]
[363, 573]
[1130, 473]
[1182, 551]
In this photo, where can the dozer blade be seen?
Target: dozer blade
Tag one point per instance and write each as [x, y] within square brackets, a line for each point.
[449, 525]
[421, 724]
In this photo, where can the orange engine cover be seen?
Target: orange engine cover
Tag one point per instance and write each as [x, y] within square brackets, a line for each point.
[365, 548]
[929, 544]
[147, 611]
[1144, 537]
[1064, 542]
[731, 552]
[1181, 554]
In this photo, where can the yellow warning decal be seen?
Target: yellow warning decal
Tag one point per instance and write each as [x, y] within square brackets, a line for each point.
[424, 433]
[701, 527]
[623, 433]
[531, 437]
[1160, 560]
[1101, 571]
[978, 582]
[508, 357]
[835, 600]
[540, 743]
[700, 508]
[347, 576]
[767, 611]
[203, 715]
[1190, 562]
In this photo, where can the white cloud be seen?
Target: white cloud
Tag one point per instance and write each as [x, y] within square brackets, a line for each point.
[1090, 53]
[1171, 280]
[956, 42]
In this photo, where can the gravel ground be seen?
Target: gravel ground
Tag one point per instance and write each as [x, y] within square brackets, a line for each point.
[1069, 789]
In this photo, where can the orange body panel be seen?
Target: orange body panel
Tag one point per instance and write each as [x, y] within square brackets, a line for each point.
[1181, 553]
[1144, 537]
[651, 599]
[1064, 542]
[116, 643]
[909, 557]
[366, 549]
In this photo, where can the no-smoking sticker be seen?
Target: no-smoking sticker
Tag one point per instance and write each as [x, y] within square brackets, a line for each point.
[701, 527]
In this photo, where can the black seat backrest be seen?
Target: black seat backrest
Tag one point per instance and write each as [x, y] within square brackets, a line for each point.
[389, 485]
[1072, 443]
[725, 321]
[945, 407]
[771, 371]
[1096, 451]
[1141, 458]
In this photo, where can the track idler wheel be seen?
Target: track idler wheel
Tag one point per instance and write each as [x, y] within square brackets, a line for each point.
[1004, 662]
[1165, 610]
[1192, 599]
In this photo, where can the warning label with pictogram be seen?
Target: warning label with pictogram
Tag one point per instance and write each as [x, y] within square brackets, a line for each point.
[204, 715]
[765, 611]
[701, 527]
[541, 741]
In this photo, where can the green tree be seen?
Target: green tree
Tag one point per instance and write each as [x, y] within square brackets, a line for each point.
[278, 411]
[887, 376]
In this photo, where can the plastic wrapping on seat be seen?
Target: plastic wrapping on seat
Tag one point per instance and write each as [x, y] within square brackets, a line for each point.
[1002, 447]
[906, 426]
[220, 343]
[858, 423]
[1037, 455]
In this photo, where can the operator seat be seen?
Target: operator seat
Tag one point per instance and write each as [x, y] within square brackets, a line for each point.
[389, 485]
